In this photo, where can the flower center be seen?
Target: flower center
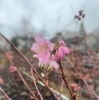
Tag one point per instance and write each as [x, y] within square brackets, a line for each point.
[43, 48]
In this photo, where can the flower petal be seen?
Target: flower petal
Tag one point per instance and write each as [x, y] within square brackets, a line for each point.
[43, 58]
[62, 43]
[65, 50]
[49, 45]
[39, 39]
[46, 57]
[54, 64]
[58, 55]
[35, 47]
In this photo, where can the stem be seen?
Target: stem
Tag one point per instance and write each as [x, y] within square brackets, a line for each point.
[26, 84]
[12, 63]
[63, 77]
[82, 78]
[36, 86]
[29, 65]
[6, 96]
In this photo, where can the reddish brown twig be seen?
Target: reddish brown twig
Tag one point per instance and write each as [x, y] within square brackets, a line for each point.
[6, 96]
[65, 81]
[12, 63]
[82, 78]
[12, 45]
[36, 85]
[26, 85]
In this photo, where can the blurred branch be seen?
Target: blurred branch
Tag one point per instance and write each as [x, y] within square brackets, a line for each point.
[65, 81]
[6, 96]
[81, 78]
[29, 65]
[26, 84]
[36, 85]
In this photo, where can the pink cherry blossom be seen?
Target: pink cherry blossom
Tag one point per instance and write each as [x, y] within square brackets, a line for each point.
[42, 48]
[43, 59]
[58, 55]
[62, 50]
[53, 62]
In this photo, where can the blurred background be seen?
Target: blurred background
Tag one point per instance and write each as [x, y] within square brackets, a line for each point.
[74, 21]
[26, 18]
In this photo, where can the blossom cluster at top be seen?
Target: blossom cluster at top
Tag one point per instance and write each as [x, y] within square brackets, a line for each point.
[47, 52]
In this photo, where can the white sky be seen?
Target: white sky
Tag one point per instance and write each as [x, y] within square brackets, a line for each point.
[49, 15]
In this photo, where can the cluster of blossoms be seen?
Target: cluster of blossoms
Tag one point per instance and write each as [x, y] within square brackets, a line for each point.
[49, 53]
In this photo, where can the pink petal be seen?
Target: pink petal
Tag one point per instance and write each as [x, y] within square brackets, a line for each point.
[43, 58]
[62, 43]
[59, 55]
[54, 63]
[49, 44]
[45, 54]
[35, 47]
[39, 39]
[46, 57]
[65, 50]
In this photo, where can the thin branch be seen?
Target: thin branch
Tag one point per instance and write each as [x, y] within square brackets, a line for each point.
[12, 63]
[65, 81]
[82, 78]
[36, 85]
[26, 85]
[30, 65]
[6, 96]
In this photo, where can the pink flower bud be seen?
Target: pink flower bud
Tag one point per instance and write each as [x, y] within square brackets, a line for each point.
[13, 69]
